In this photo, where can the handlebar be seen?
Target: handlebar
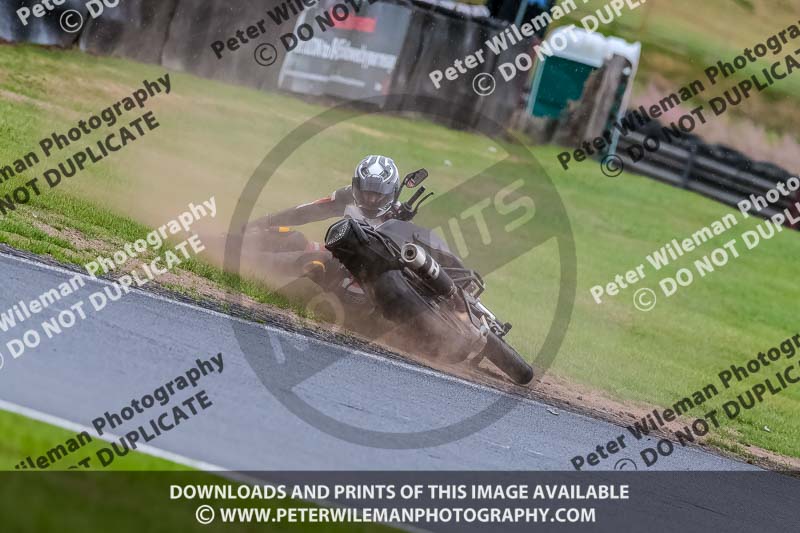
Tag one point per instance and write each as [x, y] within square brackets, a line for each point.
[415, 197]
[407, 209]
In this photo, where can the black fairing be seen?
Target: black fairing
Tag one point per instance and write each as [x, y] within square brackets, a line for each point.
[366, 261]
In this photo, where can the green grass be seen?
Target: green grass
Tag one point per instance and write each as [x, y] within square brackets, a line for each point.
[23, 437]
[75, 204]
[116, 498]
[213, 137]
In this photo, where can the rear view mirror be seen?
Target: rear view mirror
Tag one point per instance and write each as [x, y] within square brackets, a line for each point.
[415, 178]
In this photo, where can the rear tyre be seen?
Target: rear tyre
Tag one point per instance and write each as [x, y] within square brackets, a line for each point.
[432, 334]
[507, 359]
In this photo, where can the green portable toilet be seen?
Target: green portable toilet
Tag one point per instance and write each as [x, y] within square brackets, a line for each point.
[561, 77]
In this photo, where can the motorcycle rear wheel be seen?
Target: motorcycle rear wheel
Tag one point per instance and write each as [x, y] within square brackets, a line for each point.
[507, 359]
[401, 303]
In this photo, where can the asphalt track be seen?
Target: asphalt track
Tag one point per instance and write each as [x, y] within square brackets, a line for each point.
[143, 341]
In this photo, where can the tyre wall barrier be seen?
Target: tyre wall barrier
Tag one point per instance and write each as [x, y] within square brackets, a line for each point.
[714, 171]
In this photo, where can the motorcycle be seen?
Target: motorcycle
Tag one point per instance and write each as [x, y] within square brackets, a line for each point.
[411, 277]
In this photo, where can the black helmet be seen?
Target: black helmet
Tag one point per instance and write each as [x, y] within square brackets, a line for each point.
[376, 185]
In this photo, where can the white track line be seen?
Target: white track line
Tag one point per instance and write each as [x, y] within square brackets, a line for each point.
[167, 456]
[77, 428]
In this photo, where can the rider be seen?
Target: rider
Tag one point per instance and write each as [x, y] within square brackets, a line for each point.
[372, 196]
